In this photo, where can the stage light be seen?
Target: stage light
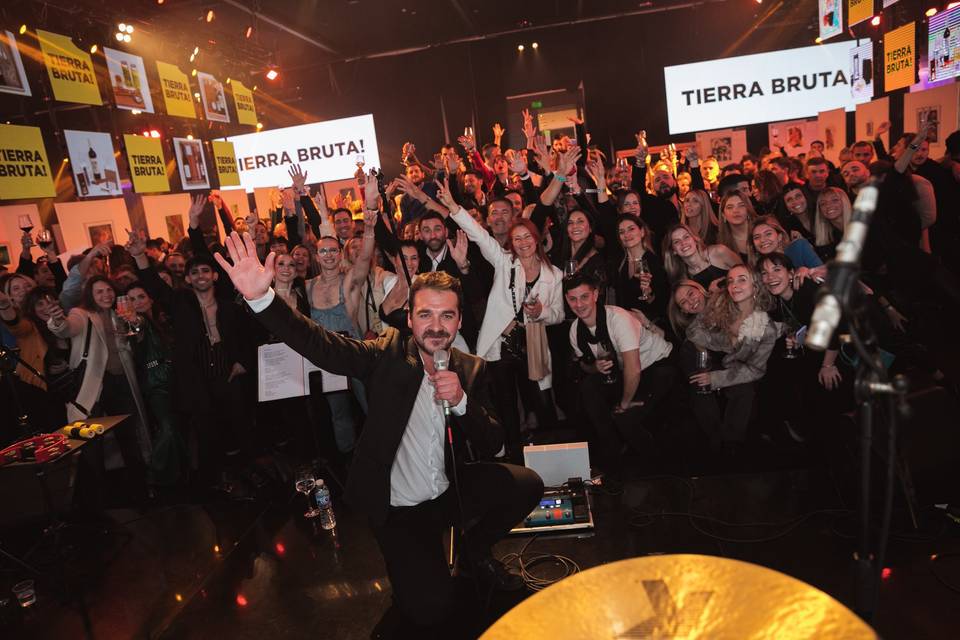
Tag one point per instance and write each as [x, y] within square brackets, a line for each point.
[210, 15]
[93, 49]
[126, 37]
[932, 11]
[519, 47]
[196, 50]
[154, 133]
[129, 28]
[216, 547]
[193, 72]
[272, 74]
[146, 133]
[886, 573]
[280, 549]
[122, 26]
[178, 597]
[136, 112]
[159, 1]
[535, 45]
[119, 37]
[197, 95]
[818, 40]
[254, 87]
[193, 57]
[241, 600]
[259, 126]
[228, 79]
[249, 31]
[189, 136]
[875, 21]
[23, 29]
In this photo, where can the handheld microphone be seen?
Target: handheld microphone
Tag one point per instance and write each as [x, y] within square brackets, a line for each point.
[843, 271]
[441, 362]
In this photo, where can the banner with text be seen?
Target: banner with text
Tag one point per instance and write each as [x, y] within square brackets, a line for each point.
[24, 169]
[13, 79]
[324, 150]
[71, 70]
[243, 100]
[858, 11]
[128, 76]
[225, 160]
[899, 57]
[147, 169]
[831, 18]
[176, 91]
[762, 87]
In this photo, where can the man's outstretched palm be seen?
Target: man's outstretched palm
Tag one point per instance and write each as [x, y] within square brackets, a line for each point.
[251, 278]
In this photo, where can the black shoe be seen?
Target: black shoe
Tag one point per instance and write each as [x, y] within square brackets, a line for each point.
[493, 573]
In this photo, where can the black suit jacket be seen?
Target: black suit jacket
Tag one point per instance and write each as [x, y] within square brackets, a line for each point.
[392, 372]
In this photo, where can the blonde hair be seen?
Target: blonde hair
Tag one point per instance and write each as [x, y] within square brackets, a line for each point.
[773, 223]
[680, 319]
[823, 231]
[725, 234]
[721, 312]
[707, 215]
[675, 266]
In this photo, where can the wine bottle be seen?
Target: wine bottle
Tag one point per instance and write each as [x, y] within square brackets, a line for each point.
[94, 164]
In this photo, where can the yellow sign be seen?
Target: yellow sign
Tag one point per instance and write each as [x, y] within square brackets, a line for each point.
[24, 169]
[226, 160]
[147, 169]
[858, 11]
[899, 57]
[176, 91]
[70, 69]
[243, 99]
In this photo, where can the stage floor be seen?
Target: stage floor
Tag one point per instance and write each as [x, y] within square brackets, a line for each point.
[256, 569]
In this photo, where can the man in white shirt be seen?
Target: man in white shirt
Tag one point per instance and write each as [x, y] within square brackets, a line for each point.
[627, 365]
[401, 475]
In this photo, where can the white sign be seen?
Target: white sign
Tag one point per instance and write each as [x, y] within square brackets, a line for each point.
[325, 151]
[284, 373]
[764, 87]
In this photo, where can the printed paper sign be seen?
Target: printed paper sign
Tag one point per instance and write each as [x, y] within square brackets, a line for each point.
[899, 57]
[129, 80]
[243, 100]
[176, 91]
[12, 77]
[70, 69]
[862, 72]
[192, 163]
[147, 169]
[831, 18]
[93, 163]
[858, 11]
[24, 168]
[226, 162]
[327, 151]
[213, 97]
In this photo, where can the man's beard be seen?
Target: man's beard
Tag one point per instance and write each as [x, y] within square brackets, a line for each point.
[668, 193]
[422, 339]
[436, 245]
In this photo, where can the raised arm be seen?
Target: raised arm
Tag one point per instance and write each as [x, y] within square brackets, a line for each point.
[489, 247]
[638, 172]
[361, 267]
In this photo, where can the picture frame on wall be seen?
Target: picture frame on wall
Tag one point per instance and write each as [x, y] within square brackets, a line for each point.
[175, 230]
[929, 114]
[99, 232]
[192, 163]
[4, 253]
[13, 79]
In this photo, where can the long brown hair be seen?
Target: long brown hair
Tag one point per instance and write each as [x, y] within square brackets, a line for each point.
[721, 312]
[532, 228]
[773, 223]
[674, 264]
[680, 319]
[708, 218]
[725, 235]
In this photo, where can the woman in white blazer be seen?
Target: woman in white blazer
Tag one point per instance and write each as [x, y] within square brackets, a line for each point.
[109, 385]
[526, 289]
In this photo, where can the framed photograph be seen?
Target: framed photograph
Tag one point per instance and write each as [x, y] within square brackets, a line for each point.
[930, 114]
[175, 232]
[4, 253]
[93, 163]
[213, 97]
[192, 163]
[99, 232]
[12, 77]
[722, 149]
[343, 194]
[128, 78]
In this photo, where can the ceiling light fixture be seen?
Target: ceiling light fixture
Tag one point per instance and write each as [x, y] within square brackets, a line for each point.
[519, 47]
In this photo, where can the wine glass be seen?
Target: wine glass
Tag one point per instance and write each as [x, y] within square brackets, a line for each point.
[123, 322]
[640, 268]
[703, 366]
[792, 350]
[44, 238]
[25, 223]
[603, 354]
[569, 268]
[360, 161]
[305, 481]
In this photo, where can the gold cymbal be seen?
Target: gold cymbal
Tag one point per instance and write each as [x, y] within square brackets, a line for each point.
[679, 596]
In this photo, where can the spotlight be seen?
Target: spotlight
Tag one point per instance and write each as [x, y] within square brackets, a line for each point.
[272, 74]
[228, 79]
[119, 37]
[189, 136]
[126, 37]
[196, 95]
[519, 47]
[241, 600]
[23, 29]
[93, 49]
[818, 40]
[122, 26]
[875, 21]
[210, 15]
[249, 31]
[932, 11]
[146, 133]
[159, 1]
[196, 50]
[193, 57]
[154, 133]
[259, 126]
[535, 45]
[193, 73]
[254, 87]
[129, 28]
[136, 112]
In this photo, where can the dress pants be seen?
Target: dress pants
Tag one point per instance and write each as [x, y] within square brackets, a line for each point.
[495, 498]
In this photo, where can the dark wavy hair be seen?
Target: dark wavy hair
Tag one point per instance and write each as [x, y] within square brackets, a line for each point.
[86, 300]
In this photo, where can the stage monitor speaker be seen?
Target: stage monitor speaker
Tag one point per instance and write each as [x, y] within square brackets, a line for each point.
[21, 492]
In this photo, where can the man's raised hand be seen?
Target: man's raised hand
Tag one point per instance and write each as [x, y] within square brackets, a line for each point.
[197, 203]
[371, 193]
[446, 198]
[298, 176]
[250, 278]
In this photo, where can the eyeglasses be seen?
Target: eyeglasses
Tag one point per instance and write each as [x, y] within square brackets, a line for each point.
[327, 252]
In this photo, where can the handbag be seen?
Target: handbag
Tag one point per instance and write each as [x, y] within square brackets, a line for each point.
[67, 385]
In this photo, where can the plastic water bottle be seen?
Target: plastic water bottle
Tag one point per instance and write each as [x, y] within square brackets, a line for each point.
[325, 504]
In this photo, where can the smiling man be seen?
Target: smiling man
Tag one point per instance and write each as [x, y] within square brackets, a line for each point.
[400, 475]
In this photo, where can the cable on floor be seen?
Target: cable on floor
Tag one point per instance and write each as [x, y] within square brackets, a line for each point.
[526, 564]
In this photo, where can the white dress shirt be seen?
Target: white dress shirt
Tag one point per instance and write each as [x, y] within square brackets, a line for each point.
[418, 473]
[435, 262]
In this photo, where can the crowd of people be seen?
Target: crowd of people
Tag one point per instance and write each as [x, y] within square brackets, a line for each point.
[645, 302]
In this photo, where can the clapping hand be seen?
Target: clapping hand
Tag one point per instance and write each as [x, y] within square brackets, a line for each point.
[251, 278]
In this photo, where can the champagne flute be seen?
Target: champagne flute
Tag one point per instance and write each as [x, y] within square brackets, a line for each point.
[640, 268]
[360, 161]
[305, 481]
[792, 350]
[703, 366]
[569, 268]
